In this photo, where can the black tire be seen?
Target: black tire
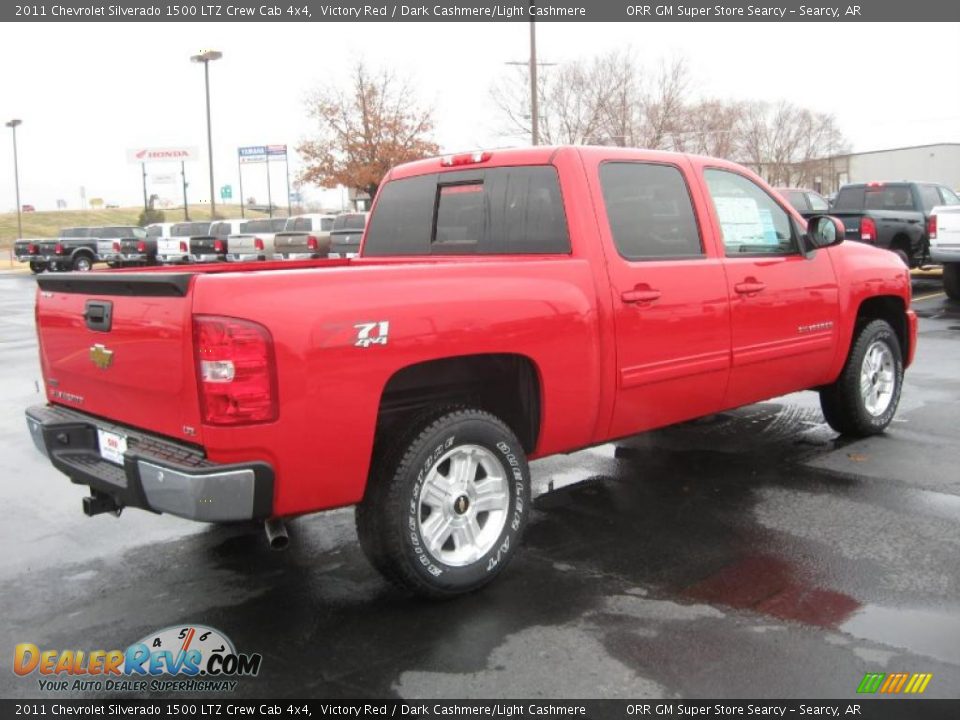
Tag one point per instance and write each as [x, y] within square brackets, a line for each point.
[36, 268]
[844, 406]
[951, 280]
[82, 263]
[391, 519]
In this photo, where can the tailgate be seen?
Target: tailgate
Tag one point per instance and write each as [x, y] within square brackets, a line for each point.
[240, 243]
[851, 223]
[291, 242]
[948, 227]
[204, 245]
[137, 369]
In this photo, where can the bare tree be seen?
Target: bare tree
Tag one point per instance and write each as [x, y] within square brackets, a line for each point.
[364, 131]
[610, 99]
[787, 144]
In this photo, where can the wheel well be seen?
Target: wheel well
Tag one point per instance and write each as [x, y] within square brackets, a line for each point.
[506, 385]
[83, 251]
[891, 309]
[902, 242]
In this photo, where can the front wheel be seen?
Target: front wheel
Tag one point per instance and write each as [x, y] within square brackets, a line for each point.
[951, 280]
[446, 507]
[864, 399]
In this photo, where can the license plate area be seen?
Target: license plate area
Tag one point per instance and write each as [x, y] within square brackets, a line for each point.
[112, 446]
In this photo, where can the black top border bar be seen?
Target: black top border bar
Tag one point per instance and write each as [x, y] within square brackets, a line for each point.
[480, 11]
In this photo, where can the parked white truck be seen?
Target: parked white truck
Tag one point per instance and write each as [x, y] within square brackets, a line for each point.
[255, 241]
[944, 232]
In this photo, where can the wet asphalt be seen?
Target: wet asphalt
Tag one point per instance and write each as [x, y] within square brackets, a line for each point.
[751, 554]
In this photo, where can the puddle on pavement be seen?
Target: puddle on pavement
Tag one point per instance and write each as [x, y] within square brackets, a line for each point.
[935, 634]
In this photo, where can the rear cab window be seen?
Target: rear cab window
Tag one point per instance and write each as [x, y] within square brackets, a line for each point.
[850, 198]
[798, 200]
[889, 197]
[507, 210]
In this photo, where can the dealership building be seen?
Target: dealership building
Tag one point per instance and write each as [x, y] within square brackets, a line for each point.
[933, 163]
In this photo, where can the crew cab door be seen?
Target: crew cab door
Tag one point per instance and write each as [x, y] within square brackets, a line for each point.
[671, 312]
[784, 305]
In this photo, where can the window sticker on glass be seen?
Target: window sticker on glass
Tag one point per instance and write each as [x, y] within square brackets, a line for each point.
[769, 230]
[741, 221]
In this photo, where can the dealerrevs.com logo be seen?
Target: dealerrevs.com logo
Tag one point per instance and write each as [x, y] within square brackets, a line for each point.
[191, 658]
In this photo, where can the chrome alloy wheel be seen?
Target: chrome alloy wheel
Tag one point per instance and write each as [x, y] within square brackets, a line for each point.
[877, 378]
[463, 505]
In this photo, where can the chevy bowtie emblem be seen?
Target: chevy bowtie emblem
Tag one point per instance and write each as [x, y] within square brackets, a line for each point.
[101, 356]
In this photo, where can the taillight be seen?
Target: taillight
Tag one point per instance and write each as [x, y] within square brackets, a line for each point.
[116, 247]
[183, 246]
[31, 249]
[932, 227]
[312, 243]
[58, 249]
[868, 230]
[141, 246]
[257, 244]
[235, 371]
[473, 158]
[218, 246]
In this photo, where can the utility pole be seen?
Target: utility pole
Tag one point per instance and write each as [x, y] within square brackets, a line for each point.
[533, 65]
[534, 106]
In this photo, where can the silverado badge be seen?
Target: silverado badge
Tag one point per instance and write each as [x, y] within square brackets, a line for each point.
[101, 356]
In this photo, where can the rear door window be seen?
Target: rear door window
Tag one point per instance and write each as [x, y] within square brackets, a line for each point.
[515, 210]
[649, 211]
[929, 197]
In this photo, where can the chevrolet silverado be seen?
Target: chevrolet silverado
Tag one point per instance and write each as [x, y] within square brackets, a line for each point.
[505, 306]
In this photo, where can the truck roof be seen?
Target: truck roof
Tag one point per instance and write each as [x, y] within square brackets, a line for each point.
[540, 155]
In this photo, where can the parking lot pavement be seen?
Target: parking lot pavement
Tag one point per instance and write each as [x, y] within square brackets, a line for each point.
[749, 554]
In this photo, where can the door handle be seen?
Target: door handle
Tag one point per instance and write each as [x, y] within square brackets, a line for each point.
[749, 287]
[645, 295]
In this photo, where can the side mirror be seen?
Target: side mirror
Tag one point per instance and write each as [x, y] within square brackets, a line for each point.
[824, 231]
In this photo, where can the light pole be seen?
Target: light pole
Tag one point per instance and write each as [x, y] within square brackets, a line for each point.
[12, 124]
[206, 57]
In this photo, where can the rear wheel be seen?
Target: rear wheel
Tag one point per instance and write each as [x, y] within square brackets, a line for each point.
[36, 268]
[864, 399]
[82, 263]
[951, 280]
[447, 506]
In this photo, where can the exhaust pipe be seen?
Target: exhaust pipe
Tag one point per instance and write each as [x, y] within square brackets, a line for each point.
[276, 532]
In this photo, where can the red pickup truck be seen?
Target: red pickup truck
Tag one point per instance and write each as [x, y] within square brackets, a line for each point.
[505, 305]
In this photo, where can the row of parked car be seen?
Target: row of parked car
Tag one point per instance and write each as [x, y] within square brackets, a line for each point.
[919, 221]
[314, 235]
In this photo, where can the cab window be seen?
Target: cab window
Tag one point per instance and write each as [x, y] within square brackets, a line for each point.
[752, 222]
[649, 211]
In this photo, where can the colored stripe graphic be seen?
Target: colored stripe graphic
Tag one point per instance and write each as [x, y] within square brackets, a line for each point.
[871, 682]
[894, 683]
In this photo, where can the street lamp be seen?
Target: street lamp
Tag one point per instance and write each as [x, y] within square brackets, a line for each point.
[206, 57]
[12, 124]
